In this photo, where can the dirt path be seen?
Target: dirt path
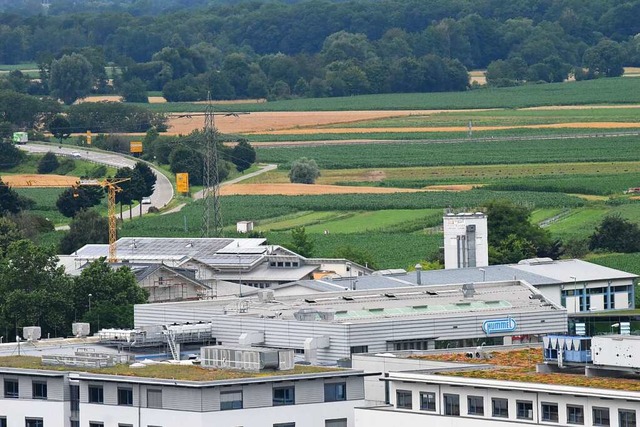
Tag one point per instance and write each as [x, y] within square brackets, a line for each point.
[34, 180]
[307, 189]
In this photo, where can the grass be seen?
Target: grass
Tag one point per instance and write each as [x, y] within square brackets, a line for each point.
[22, 66]
[408, 154]
[601, 91]
[79, 167]
[581, 222]
[163, 371]
[625, 262]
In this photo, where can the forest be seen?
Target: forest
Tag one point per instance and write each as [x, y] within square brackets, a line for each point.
[311, 48]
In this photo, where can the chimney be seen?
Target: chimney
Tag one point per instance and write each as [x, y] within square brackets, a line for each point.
[419, 274]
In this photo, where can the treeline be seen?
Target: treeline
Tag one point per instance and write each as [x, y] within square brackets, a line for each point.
[325, 48]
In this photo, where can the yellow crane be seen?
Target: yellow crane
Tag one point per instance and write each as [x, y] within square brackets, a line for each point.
[111, 184]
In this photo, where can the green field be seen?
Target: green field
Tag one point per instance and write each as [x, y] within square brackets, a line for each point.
[598, 92]
[404, 154]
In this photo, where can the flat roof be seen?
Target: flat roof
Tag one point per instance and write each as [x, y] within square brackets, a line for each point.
[491, 298]
[512, 367]
[170, 374]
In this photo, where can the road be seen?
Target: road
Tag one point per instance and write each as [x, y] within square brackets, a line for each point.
[162, 194]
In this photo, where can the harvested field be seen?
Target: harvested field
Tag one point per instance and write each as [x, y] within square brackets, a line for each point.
[100, 98]
[305, 189]
[34, 180]
[157, 100]
[452, 187]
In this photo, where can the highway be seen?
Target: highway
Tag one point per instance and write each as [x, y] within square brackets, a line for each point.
[162, 194]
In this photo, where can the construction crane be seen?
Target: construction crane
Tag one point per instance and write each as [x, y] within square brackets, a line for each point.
[111, 184]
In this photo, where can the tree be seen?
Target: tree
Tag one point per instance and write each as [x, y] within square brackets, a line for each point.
[605, 59]
[243, 155]
[125, 195]
[71, 78]
[144, 182]
[304, 171]
[10, 156]
[73, 200]
[87, 227]
[185, 159]
[512, 237]
[10, 201]
[34, 290]
[616, 234]
[60, 127]
[48, 163]
[300, 242]
[113, 294]
[134, 90]
[9, 233]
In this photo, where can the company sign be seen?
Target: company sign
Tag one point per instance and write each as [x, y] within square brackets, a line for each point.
[497, 326]
[135, 147]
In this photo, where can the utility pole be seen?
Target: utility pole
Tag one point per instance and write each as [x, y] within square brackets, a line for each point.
[211, 216]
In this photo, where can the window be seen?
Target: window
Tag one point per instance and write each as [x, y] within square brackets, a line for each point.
[154, 398]
[500, 407]
[524, 409]
[33, 422]
[627, 417]
[95, 424]
[335, 392]
[11, 388]
[427, 401]
[75, 423]
[475, 405]
[96, 394]
[3, 421]
[339, 422]
[575, 414]
[230, 400]
[549, 412]
[285, 425]
[74, 397]
[451, 404]
[404, 399]
[39, 389]
[601, 417]
[125, 396]
[125, 425]
[284, 396]
[360, 349]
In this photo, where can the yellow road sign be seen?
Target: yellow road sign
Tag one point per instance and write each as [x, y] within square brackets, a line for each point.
[182, 182]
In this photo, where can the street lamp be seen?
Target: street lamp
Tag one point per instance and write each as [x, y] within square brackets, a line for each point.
[575, 295]
[90, 302]
[484, 274]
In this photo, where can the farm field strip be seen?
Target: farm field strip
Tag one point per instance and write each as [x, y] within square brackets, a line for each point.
[288, 189]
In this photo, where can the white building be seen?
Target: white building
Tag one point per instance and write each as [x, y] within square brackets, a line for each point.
[246, 261]
[465, 240]
[579, 286]
[331, 326]
[447, 396]
[75, 397]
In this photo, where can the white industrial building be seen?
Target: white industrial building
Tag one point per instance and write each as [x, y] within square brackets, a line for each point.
[466, 240]
[328, 327]
[416, 391]
[246, 261]
[579, 286]
[75, 396]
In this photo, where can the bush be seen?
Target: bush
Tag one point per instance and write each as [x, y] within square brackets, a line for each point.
[97, 171]
[66, 166]
[48, 163]
[304, 171]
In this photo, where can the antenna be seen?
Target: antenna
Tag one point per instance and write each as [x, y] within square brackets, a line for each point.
[211, 217]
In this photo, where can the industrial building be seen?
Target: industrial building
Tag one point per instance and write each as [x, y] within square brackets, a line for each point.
[206, 263]
[328, 327]
[166, 395]
[424, 391]
[579, 286]
[466, 240]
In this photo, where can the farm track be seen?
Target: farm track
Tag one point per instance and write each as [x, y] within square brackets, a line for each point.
[443, 140]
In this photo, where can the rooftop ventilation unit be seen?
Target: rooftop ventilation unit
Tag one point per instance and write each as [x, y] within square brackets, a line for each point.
[246, 358]
[80, 329]
[266, 295]
[468, 290]
[31, 333]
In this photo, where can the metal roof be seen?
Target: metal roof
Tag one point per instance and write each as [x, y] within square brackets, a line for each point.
[491, 298]
[270, 274]
[566, 270]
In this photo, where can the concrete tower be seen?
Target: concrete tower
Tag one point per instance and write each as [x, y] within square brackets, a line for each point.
[465, 240]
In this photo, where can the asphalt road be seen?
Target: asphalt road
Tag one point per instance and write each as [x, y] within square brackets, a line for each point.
[162, 194]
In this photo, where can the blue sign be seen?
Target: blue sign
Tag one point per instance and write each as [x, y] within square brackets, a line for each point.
[496, 326]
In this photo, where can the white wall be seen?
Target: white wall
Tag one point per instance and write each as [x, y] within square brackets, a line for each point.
[52, 413]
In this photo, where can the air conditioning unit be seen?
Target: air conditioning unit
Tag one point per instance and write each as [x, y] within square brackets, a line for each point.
[31, 333]
[80, 329]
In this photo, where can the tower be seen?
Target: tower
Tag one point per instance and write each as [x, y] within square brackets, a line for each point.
[211, 217]
[465, 240]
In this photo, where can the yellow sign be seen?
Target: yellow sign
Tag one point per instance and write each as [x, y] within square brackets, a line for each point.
[182, 182]
[88, 137]
[136, 146]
